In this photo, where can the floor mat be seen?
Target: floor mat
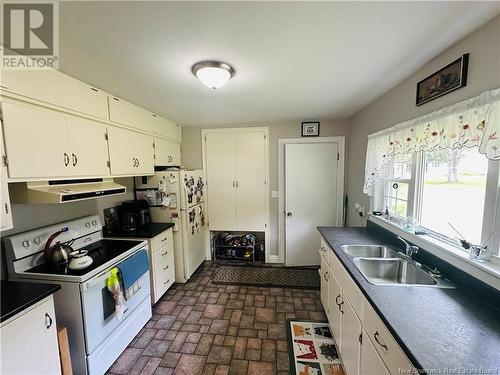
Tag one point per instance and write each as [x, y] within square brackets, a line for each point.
[311, 349]
[281, 277]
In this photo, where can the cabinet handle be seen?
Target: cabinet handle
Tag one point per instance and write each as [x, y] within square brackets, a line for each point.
[375, 336]
[48, 321]
[340, 307]
[237, 184]
[165, 253]
[325, 276]
[165, 268]
[164, 239]
[75, 159]
[337, 300]
[166, 282]
[323, 249]
[66, 159]
[138, 162]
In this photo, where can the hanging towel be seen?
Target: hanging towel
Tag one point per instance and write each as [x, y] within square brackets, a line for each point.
[131, 269]
[113, 283]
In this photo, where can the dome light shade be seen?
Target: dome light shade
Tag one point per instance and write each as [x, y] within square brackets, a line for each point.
[213, 74]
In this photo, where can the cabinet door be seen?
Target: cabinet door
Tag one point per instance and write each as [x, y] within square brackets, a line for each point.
[324, 293]
[370, 362]
[335, 315]
[87, 147]
[56, 88]
[167, 153]
[29, 343]
[6, 214]
[130, 153]
[167, 128]
[123, 112]
[35, 141]
[350, 331]
[251, 180]
[221, 184]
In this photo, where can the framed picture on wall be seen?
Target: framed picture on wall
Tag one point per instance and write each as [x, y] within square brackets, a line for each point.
[310, 129]
[450, 78]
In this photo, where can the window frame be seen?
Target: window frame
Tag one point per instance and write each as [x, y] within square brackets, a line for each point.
[491, 212]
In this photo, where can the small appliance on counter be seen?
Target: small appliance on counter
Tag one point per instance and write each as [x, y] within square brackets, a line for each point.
[133, 214]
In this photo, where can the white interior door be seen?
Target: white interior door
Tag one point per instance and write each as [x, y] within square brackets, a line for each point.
[221, 182]
[251, 180]
[311, 172]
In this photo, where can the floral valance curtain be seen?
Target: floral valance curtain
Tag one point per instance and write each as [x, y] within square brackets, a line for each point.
[471, 123]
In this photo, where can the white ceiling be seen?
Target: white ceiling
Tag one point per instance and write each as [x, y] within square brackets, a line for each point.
[294, 60]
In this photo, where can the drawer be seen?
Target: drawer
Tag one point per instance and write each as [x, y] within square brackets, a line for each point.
[162, 239]
[163, 278]
[386, 346]
[164, 255]
[324, 250]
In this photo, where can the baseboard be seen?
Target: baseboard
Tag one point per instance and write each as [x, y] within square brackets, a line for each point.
[274, 259]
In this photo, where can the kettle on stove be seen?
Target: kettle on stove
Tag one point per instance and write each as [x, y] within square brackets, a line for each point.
[58, 254]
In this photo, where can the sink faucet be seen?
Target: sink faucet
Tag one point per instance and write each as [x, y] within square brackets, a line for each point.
[410, 249]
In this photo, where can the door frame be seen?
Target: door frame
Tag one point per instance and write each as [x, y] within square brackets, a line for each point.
[340, 140]
[265, 130]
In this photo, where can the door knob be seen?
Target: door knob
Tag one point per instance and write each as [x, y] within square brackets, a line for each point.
[288, 213]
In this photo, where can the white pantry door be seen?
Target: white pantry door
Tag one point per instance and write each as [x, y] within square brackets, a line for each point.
[311, 172]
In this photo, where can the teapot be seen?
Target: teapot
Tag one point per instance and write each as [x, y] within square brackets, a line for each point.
[58, 254]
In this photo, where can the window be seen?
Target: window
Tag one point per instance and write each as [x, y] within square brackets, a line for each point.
[443, 187]
[454, 190]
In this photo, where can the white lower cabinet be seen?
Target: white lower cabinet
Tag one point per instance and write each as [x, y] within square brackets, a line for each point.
[365, 344]
[371, 363]
[130, 153]
[162, 267]
[29, 341]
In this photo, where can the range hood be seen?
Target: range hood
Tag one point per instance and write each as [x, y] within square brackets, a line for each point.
[64, 191]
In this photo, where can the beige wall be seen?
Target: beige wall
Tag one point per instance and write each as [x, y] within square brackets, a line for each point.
[192, 158]
[399, 103]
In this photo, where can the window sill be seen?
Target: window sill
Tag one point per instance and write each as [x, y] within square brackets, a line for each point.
[487, 272]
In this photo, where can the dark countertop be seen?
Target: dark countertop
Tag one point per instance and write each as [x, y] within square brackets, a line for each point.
[149, 231]
[436, 328]
[17, 296]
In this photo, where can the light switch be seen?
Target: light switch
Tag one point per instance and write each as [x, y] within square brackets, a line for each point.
[274, 194]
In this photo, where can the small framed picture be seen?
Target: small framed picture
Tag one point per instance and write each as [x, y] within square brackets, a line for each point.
[310, 129]
[450, 78]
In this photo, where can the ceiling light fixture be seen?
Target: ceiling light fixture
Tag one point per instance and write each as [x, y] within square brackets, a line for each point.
[213, 74]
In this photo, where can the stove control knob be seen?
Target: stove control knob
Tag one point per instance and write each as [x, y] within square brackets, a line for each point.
[26, 243]
[87, 224]
[94, 223]
[37, 240]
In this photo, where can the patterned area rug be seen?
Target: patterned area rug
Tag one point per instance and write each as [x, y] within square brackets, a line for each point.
[311, 349]
[281, 277]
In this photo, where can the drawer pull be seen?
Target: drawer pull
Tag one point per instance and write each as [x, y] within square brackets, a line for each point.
[48, 321]
[326, 276]
[337, 300]
[165, 253]
[164, 268]
[375, 336]
[166, 282]
[323, 249]
[164, 239]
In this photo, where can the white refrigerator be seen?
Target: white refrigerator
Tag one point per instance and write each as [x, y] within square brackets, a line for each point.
[179, 197]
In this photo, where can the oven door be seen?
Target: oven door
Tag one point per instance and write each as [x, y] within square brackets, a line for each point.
[99, 308]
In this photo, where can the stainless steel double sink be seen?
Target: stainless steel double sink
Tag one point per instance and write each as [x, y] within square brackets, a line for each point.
[381, 265]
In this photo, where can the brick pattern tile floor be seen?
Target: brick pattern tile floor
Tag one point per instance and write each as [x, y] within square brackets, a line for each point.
[202, 328]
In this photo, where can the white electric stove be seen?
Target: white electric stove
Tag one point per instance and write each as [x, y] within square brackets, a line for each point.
[83, 304]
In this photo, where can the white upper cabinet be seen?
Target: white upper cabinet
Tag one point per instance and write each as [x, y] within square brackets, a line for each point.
[167, 153]
[130, 153]
[125, 113]
[250, 148]
[6, 212]
[55, 88]
[87, 146]
[236, 167]
[221, 187]
[44, 143]
[35, 141]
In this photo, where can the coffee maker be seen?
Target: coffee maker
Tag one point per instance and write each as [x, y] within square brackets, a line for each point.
[134, 214]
